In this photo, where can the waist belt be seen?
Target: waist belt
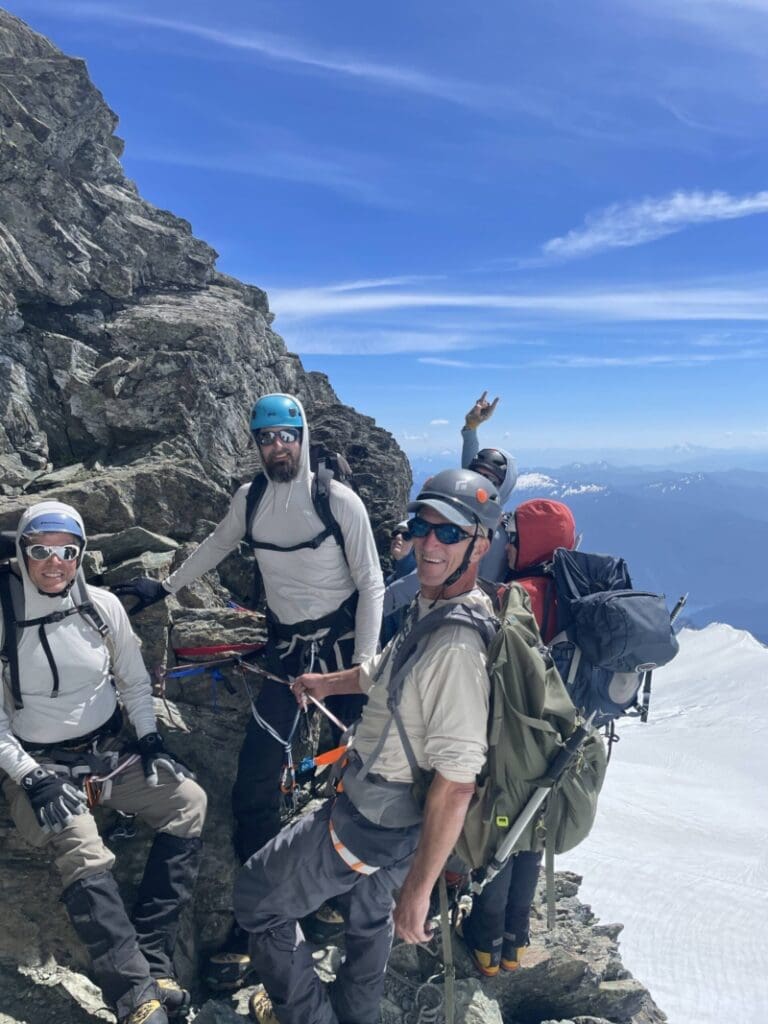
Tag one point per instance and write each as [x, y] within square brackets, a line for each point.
[387, 804]
[337, 622]
[111, 727]
[348, 856]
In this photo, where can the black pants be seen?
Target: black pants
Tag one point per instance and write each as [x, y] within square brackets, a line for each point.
[503, 908]
[256, 793]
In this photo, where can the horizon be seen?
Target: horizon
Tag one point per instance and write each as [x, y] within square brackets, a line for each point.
[440, 202]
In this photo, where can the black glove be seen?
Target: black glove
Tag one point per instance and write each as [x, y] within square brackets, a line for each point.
[144, 588]
[54, 801]
[154, 756]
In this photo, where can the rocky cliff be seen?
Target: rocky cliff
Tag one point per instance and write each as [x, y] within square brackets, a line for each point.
[128, 367]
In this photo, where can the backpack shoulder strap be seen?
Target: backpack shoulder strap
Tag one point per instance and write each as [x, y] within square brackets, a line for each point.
[252, 499]
[10, 649]
[403, 660]
[321, 499]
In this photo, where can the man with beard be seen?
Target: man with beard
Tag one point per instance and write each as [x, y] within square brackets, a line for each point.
[323, 612]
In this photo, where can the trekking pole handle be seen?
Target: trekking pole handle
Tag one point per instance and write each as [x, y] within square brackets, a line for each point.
[678, 607]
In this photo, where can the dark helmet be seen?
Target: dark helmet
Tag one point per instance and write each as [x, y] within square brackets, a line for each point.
[276, 411]
[464, 497]
[492, 461]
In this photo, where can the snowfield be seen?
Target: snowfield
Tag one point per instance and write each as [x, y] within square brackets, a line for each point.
[679, 851]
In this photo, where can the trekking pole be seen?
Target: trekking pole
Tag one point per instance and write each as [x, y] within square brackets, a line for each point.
[645, 696]
[553, 774]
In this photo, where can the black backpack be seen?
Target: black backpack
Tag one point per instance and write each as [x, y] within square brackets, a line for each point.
[610, 636]
[326, 466]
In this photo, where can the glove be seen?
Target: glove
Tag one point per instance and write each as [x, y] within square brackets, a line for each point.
[154, 756]
[144, 588]
[54, 801]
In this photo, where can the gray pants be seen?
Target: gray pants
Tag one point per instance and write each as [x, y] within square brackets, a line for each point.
[291, 877]
[177, 808]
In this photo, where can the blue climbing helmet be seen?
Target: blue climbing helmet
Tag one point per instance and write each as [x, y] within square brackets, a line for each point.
[276, 411]
[53, 522]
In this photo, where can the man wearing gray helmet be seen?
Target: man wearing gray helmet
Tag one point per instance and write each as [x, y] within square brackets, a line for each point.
[376, 837]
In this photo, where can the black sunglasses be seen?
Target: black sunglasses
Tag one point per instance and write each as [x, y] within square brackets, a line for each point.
[446, 533]
[288, 435]
[511, 533]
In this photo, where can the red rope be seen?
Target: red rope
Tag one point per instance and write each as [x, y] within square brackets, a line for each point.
[196, 652]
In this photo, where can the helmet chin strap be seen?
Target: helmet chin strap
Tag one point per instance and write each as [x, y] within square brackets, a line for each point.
[458, 573]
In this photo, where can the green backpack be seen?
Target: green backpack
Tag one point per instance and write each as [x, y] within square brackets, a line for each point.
[533, 729]
[531, 717]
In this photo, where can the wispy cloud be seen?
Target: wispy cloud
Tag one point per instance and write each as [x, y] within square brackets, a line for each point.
[734, 23]
[298, 55]
[283, 165]
[439, 423]
[627, 224]
[716, 301]
[574, 361]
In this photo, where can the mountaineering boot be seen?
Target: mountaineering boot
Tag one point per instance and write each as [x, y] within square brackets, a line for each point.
[119, 968]
[150, 1012]
[228, 970]
[166, 889]
[512, 949]
[260, 1007]
[486, 961]
[174, 998]
[325, 925]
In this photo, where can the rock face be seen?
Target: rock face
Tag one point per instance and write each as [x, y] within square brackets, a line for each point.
[128, 366]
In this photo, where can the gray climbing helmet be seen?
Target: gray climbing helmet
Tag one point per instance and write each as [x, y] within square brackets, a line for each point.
[465, 498]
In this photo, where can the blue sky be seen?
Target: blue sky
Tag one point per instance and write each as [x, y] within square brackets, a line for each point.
[565, 204]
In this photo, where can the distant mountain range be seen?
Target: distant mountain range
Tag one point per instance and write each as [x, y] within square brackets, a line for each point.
[704, 533]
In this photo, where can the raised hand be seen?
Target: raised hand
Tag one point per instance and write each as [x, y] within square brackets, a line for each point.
[481, 411]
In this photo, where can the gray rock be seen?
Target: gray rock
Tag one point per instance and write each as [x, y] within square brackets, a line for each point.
[118, 547]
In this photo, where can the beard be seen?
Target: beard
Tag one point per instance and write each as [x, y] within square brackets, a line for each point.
[284, 471]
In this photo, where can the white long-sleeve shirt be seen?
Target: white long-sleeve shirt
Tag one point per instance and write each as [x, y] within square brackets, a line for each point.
[86, 698]
[310, 583]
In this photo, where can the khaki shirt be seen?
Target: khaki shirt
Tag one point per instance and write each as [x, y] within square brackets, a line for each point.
[444, 704]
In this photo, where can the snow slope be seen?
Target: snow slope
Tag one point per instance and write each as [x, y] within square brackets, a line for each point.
[679, 851]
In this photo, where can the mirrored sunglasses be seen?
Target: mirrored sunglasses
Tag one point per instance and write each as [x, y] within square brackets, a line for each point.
[288, 435]
[40, 552]
[446, 533]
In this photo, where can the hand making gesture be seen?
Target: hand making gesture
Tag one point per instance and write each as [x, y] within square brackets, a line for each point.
[481, 411]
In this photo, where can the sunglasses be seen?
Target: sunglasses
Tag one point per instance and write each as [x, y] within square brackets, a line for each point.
[288, 435]
[41, 552]
[446, 533]
[511, 533]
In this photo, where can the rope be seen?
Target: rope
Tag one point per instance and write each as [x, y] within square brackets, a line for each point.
[199, 652]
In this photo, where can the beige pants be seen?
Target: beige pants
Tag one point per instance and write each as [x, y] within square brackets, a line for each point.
[174, 807]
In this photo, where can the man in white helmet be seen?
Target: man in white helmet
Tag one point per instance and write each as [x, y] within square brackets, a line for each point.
[71, 667]
[425, 723]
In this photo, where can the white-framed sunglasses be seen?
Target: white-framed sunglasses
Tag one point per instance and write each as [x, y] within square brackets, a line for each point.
[41, 552]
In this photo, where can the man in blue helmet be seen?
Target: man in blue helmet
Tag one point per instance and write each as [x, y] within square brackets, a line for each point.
[323, 592]
[377, 847]
[68, 654]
